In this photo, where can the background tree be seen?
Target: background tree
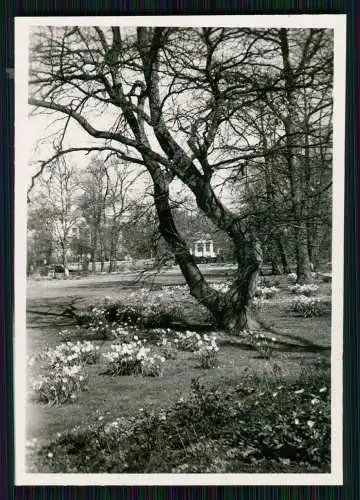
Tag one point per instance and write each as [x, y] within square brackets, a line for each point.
[122, 181]
[40, 246]
[60, 206]
[95, 191]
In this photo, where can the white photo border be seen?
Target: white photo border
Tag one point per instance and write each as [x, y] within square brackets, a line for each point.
[337, 22]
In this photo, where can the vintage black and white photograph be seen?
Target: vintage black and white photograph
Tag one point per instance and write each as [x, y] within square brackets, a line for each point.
[179, 239]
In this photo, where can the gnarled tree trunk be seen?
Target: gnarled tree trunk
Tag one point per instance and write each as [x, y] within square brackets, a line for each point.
[229, 310]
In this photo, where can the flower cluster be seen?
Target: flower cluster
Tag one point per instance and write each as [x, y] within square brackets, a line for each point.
[208, 353]
[257, 303]
[168, 347]
[266, 292]
[98, 324]
[292, 278]
[72, 353]
[261, 343]
[61, 385]
[132, 358]
[306, 290]
[190, 341]
[125, 359]
[220, 286]
[306, 306]
[152, 366]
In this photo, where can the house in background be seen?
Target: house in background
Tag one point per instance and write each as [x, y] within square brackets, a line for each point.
[203, 250]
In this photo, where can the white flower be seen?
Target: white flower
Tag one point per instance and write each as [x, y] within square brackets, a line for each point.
[50, 455]
[310, 423]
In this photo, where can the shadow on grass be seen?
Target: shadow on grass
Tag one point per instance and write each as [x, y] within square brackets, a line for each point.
[44, 314]
[66, 309]
[280, 346]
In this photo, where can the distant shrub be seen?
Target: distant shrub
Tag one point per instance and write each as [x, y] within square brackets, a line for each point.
[326, 278]
[144, 309]
[306, 290]
[307, 306]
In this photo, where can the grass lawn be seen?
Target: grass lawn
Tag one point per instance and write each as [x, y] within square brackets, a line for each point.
[301, 344]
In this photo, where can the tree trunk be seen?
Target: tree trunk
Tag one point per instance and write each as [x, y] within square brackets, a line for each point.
[275, 270]
[303, 266]
[93, 250]
[300, 229]
[229, 310]
[113, 248]
[283, 256]
[64, 259]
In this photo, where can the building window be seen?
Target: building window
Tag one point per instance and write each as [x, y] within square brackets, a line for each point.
[199, 247]
[207, 247]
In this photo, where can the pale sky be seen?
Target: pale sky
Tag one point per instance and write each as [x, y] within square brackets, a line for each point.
[40, 127]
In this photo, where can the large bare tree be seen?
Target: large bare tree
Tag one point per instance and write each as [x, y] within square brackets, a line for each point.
[174, 98]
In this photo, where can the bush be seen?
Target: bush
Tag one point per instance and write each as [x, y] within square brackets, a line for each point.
[146, 310]
[307, 306]
[62, 385]
[258, 425]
